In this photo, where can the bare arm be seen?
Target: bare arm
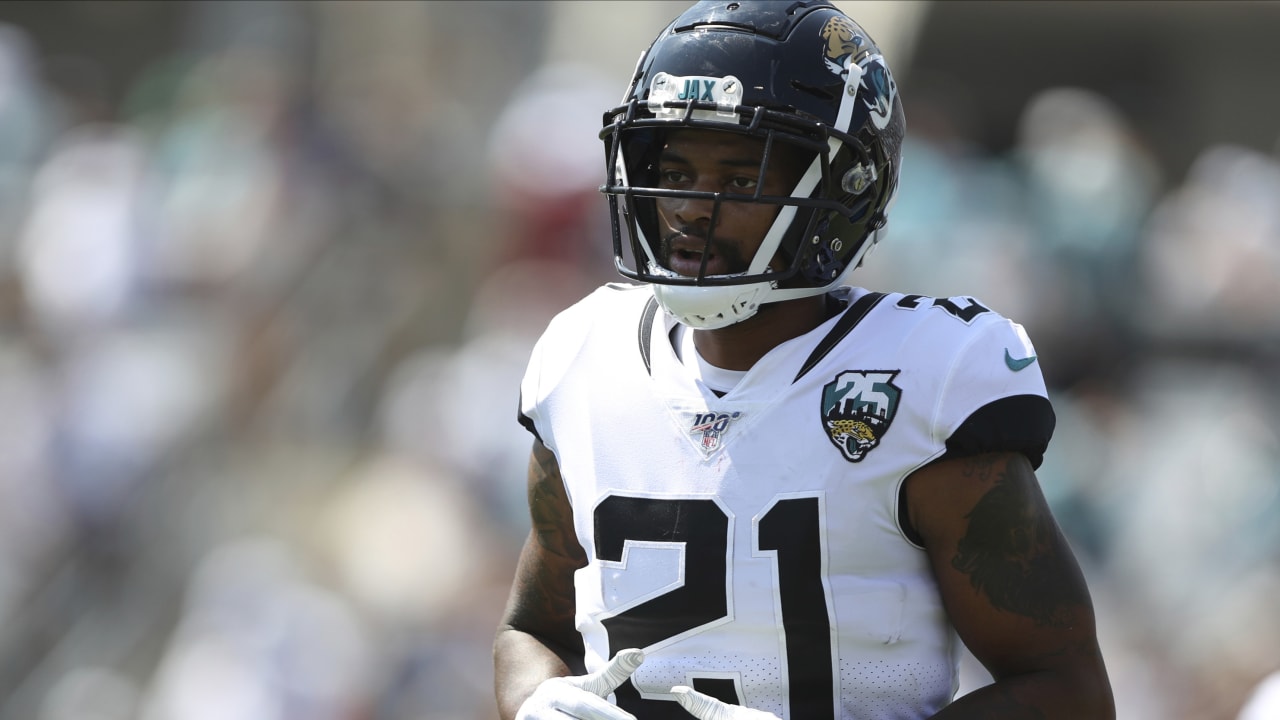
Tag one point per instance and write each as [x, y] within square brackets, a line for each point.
[536, 639]
[1012, 589]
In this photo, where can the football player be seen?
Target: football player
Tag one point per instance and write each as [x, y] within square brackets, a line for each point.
[756, 490]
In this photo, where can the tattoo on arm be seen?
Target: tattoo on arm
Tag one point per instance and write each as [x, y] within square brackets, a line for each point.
[544, 601]
[1012, 549]
[549, 506]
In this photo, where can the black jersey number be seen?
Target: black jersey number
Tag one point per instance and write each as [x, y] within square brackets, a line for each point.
[963, 308]
[789, 530]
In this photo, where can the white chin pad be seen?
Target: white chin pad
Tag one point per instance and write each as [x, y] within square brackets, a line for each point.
[710, 308]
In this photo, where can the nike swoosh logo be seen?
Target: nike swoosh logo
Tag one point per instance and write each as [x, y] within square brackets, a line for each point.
[1017, 364]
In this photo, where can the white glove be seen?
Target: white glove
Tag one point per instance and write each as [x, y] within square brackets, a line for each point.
[705, 707]
[582, 696]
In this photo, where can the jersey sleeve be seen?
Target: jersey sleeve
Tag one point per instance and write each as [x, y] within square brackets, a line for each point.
[994, 397]
[537, 383]
[552, 358]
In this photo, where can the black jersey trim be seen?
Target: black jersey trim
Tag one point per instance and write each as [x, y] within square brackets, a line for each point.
[904, 518]
[525, 421]
[845, 325]
[1018, 423]
[645, 333]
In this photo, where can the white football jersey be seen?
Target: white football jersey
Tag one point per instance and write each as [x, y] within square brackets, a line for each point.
[751, 544]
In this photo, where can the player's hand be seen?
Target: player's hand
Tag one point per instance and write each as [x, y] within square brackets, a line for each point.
[583, 696]
[705, 707]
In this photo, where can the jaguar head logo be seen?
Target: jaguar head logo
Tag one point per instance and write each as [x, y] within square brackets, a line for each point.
[842, 40]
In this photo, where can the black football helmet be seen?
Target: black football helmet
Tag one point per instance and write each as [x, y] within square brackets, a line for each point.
[801, 73]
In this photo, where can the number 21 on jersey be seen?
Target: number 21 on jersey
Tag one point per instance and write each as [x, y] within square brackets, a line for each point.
[790, 531]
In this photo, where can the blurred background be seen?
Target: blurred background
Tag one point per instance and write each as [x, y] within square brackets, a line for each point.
[270, 271]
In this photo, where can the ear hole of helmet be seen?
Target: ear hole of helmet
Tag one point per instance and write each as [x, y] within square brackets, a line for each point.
[825, 244]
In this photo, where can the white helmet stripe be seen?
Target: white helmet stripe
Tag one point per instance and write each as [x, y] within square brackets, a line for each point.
[772, 240]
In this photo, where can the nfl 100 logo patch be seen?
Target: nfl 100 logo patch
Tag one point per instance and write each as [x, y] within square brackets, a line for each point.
[708, 429]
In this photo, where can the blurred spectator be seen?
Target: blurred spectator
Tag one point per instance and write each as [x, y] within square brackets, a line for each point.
[259, 641]
[546, 158]
[1211, 254]
[78, 249]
